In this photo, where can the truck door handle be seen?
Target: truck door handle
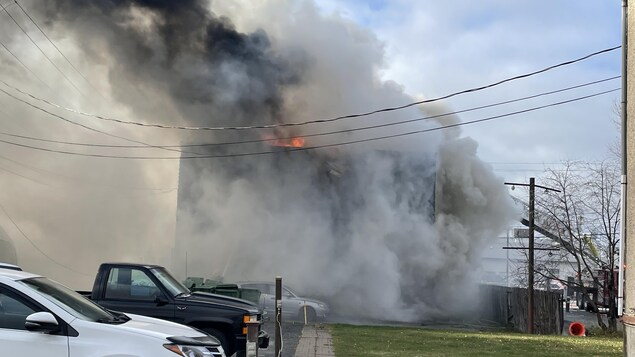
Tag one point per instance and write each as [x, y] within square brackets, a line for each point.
[181, 307]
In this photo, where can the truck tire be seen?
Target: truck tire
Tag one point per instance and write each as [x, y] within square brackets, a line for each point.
[220, 336]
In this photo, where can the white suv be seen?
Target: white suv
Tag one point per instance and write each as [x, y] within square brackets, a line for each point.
[39, 317]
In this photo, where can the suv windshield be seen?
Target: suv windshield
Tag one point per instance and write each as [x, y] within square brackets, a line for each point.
[67, 299]
[174, 286]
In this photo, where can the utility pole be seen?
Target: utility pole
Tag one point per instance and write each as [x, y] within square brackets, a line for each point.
[530, 274]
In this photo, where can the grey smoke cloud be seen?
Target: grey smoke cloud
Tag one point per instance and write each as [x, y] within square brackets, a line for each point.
[355, 224]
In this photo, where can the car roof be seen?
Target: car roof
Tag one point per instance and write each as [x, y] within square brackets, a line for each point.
[139, 265]
[9, 266]
[17, 274]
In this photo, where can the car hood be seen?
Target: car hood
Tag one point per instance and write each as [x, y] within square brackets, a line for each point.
[162, 329]
[209, 298]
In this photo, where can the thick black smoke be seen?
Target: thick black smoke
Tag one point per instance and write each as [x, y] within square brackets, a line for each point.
[213, 73]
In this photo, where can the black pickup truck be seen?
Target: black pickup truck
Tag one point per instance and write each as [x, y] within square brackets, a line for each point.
[151, 291]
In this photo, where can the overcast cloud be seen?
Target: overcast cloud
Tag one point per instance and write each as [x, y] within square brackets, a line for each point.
[434, 48]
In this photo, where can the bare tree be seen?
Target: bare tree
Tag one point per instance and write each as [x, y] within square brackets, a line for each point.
[584, 220]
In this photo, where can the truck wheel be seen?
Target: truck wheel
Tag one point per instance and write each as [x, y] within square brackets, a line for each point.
[220, 336]
[311, 316]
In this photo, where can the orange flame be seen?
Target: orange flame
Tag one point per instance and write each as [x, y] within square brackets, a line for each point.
[287, 143]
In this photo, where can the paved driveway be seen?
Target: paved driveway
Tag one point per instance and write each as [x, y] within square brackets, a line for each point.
[291, 333]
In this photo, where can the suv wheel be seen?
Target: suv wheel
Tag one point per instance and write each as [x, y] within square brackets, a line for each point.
[220, 336]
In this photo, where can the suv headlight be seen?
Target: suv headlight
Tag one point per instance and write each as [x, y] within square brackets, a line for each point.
[195, 351]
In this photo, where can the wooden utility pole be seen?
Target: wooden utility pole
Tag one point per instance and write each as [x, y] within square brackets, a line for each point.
[530, 278]
[530, 274]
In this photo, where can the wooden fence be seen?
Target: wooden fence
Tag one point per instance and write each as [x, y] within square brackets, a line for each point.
[508, 307]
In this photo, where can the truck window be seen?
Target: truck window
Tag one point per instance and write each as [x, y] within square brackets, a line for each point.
[130, 284]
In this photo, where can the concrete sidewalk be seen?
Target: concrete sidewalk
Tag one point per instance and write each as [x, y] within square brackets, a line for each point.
[315, 342]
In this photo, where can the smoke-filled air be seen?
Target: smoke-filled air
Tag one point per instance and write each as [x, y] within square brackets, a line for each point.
[385, 229]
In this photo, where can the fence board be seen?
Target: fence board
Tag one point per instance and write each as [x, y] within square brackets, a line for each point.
[508, 306]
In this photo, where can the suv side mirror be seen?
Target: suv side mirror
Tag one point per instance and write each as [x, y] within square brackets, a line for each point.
[43, 322]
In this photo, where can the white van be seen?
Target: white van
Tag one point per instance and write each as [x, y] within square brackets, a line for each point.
[39, 317]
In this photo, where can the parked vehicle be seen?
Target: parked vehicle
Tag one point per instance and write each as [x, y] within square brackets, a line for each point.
[9, 266]
[217, 287]
[294, 307]
[597, 291]
[39, 317]
[151, 291]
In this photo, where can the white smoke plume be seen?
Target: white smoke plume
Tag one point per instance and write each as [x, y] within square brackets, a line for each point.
[387, 229]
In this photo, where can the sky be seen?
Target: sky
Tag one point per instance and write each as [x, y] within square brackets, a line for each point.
[427, 49]
[434, 48]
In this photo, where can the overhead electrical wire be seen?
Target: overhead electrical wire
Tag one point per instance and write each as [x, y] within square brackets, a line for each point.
[328, 120]
[260, 153]
[4, 8]
[81, 180]
[91, 128]
[24, 176]
[343, 131]
[22, 63]
[36, 246]
[54, 45]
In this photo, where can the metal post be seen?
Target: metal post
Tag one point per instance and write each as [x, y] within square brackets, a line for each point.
[507, 257]
[278, 316]
[253, 328]
[530, 283]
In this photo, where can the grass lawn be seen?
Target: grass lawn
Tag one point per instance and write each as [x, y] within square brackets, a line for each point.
[358, 341]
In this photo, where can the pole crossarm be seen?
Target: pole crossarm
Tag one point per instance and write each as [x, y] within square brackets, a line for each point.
[567, 245]
[525, 248]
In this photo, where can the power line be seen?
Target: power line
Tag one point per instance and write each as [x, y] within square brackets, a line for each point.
[24, 176]
[22, 63]
[54, 45]
[287, 150]
[91, 128]
[35, 245]
[82, 180]
[315, 134]
[271, 126]
[40, 49]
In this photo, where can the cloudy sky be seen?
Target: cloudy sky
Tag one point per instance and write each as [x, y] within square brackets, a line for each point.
[434, 48]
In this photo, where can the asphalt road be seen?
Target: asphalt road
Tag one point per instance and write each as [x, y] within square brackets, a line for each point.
[291, 333]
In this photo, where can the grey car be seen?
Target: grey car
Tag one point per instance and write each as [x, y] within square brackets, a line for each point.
[294, 307]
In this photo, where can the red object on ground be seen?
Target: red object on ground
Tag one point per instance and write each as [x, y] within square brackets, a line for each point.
[576, 329]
